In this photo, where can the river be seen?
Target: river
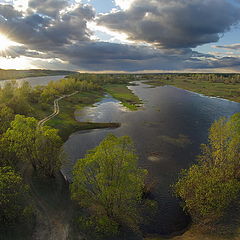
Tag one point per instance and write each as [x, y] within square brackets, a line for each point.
[167, 132]
[34, 81]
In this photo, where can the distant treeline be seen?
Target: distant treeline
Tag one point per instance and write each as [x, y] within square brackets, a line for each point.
[211, 77]
[14, 74]
[102, 79]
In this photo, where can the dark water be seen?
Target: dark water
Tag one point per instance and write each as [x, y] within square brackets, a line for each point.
[34, 81]
[167, 133]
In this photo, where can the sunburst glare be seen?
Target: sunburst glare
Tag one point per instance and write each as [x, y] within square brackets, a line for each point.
[4, 42]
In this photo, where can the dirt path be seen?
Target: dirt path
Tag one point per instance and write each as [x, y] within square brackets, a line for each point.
[56, 109]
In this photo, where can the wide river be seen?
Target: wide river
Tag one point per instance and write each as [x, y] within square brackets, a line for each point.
[167, 132]
[34, 81]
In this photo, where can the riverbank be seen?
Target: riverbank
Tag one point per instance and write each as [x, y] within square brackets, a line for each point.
[18, 74]
[65, 121]
[227, 228]
[229, 91]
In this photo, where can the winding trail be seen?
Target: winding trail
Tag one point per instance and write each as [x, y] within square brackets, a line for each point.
[56, 109]
[52, 222]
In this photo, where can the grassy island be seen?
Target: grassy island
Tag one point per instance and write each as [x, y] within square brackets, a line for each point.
[123, 94]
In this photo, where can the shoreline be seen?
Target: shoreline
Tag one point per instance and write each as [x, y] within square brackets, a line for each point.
[191, 87]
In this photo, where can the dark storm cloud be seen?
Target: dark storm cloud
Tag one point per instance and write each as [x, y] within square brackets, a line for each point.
[100, 56]
[8, 12]
[218, 63]
[41, 32]
[174, 23]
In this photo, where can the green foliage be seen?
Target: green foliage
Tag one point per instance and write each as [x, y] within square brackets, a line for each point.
[108, 181]
[210, 186]
[21, 137]
[12, 194]
[49, 151]
[39, 146]
[98, 227]
[6, 116]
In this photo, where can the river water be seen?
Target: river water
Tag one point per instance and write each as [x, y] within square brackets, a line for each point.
[34, 81]
[167, 132]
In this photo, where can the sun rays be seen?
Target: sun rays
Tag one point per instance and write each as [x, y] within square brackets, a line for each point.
[4, 42]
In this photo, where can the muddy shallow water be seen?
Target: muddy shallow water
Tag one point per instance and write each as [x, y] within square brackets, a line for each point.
[167, 132]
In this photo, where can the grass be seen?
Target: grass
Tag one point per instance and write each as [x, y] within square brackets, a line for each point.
[66, 122]
[123, 94]
[226, 91]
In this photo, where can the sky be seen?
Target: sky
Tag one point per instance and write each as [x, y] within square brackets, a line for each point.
[121, 35]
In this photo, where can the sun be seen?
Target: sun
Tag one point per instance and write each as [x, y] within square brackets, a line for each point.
[4, 42]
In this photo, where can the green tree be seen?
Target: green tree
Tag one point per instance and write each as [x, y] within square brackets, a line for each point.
[49, 151]
[6, 116]
[109, 181]
[211, 185]
[39, 146]
[12, 195]
[21, 137]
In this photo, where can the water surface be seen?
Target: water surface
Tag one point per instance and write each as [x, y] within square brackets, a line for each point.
[34, 81]
[167, 132]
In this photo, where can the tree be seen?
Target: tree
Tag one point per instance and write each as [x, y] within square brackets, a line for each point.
[39, 146]
[109, 181]
[211, 185]
[6, 116]
[49, 151]
[22, 137]
[12, 194]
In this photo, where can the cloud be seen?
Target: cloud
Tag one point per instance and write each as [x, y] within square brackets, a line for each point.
[59, 37]
[235, 46]
[47, 7]
[174, 23]
[124, 4]
[40, 32]
[8, 12]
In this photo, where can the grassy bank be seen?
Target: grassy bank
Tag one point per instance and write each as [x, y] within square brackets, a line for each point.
[15, 74]
[123, 94]
[66, 122]
[215, 89]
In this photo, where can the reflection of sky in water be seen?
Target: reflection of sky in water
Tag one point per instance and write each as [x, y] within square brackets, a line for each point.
[107, 110]
[167, 134]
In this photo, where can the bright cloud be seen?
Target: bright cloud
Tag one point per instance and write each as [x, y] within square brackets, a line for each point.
[124, 4]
